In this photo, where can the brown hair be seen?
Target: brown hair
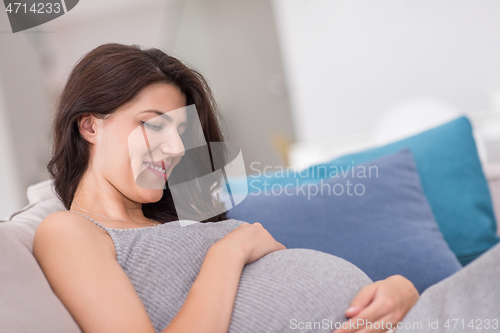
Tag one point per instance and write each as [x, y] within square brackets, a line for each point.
[104, 79]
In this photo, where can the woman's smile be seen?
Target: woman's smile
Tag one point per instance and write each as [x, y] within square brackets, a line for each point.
[158, 168]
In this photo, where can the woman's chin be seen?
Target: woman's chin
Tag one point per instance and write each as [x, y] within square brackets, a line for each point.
[151, 195]
[150, 181]
[150, 186]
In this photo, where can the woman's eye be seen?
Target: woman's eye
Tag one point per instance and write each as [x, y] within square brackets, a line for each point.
[154, 127]
[182, 131]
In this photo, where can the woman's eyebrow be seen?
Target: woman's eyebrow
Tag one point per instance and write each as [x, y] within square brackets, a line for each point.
[164, 115]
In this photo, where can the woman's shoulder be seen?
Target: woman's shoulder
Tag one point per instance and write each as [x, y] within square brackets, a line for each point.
[61, 214]
[65, 220]
[68, 225]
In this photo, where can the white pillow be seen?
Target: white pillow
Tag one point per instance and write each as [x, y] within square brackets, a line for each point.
[22, 224]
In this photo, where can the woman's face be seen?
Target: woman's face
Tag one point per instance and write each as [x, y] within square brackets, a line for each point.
[140, 143]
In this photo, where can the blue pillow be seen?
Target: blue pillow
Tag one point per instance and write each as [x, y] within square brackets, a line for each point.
[452, 180]
[380, 221]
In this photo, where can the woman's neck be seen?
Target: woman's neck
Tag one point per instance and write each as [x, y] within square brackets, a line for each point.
[97, 195]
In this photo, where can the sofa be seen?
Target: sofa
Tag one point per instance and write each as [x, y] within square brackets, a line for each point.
[29, 305]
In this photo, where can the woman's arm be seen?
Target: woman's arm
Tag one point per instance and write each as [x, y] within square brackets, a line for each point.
[209, 304]
[83, 271]
[81, 267]
[210, 301]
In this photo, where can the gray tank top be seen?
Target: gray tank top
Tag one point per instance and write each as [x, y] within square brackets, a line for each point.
[292, 290]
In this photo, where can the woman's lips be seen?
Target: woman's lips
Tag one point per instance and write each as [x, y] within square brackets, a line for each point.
[158, 168]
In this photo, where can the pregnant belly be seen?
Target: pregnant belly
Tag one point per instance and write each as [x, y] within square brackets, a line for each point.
[295, 290]
[284, 291]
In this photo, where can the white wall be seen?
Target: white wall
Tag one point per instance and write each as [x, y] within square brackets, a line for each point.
[11, 197]
[234, 44]
[25, 116]
[348, 61]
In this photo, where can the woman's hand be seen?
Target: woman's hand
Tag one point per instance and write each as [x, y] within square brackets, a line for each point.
[251, 241]
[385, 301]
[210, 302]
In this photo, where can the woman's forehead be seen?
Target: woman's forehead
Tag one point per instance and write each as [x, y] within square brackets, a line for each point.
[153, 109]
[162, 92]
[178, 115]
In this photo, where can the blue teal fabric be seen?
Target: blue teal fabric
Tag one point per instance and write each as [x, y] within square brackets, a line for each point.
[381, 222]
[452, 179]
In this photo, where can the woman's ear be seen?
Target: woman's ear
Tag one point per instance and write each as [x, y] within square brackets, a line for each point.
[86, 126]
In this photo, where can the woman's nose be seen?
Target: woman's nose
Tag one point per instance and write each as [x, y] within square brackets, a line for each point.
[172, 145]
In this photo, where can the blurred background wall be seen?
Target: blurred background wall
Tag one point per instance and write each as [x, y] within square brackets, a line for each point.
[232, 43]
[349, 61]
[363, 73]
[291, 76]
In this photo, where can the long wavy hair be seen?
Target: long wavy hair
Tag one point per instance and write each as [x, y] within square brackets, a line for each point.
[104, 79]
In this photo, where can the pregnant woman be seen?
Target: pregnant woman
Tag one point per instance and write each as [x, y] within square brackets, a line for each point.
[120, 259]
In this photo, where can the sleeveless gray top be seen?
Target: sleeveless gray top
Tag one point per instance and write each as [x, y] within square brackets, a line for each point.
[292, 290]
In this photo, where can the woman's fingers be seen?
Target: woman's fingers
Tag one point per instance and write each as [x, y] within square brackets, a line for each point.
[377, 310]
[377, 318]
[388, 300]
[252, 240]
[364, 325]
[362, 299]
[382, 325]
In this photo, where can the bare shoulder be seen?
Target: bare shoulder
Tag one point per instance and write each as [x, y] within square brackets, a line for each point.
[65, 217]
[64, 228]
[83, 272]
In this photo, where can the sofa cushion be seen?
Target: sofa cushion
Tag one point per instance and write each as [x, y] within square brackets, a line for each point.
[452, 179]
[22, 223]
[384, 225]
[28, 303]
